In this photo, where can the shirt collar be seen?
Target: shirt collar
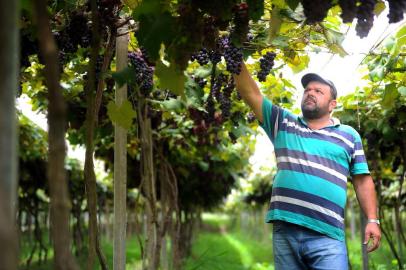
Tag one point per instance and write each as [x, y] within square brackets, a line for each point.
[335, 121]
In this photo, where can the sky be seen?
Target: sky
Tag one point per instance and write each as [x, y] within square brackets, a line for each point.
[341, 70]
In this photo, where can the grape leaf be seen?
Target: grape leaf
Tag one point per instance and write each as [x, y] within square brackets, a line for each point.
[275, 24]
[133, 4]
[401, 37]
[121, 115]
[172, 104]
[292, 4]
[194, 93]
[156, 26]
[390, 95]
[337, 48]
[377, 73]
[379, 7]
[170, 78]
[402, 90]
[255, 9]
[124, 76]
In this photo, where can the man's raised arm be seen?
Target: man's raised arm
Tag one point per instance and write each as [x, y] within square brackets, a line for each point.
[249, 91]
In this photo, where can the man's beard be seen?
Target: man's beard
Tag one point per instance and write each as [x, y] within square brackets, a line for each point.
[315, 112]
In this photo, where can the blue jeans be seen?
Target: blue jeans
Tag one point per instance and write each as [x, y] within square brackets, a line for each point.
[296, 247]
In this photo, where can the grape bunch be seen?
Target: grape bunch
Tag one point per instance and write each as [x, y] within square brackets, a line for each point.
[232, 55]
[215, 89]
[28, 47]
[210, 108]
[202, 57]
[316, 10]
[215, 56]
[143, 72]
[396, 10]
[78, 30]
[217, 84]
[266, 64]
[348, 10]
[251, 117]
[365, 16]
[225, 98]
[241, 19]
[64, 42]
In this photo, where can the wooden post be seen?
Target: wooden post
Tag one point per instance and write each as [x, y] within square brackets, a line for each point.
[9, 73]
[120, 161]
[363, 222]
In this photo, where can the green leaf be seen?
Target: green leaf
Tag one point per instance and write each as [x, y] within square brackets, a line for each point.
[275, 24]
[170, 78]
[402, 90]
[377, 73]
[281, 42]
[288, 83]
[401, 37]
[255, 9]
[204, 165]
[172, 104]
[194, 93]
[26, 5]
[298, 63]
[379, 7]
[390, 95]
[155, 27]
[292, 4]
[121, 115]
[337, 48]
[390, 44]
[241, 130]
[124, 76]
[202, 71]
[147, 7]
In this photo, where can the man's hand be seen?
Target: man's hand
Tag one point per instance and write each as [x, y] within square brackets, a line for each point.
[365, 190]
[372, 236]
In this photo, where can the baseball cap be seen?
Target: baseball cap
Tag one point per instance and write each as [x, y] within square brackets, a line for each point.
[311, 77]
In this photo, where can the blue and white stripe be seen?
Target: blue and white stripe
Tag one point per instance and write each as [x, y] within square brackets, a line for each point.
[326, 156]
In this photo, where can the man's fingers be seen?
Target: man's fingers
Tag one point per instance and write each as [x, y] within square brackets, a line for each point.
[375, 243]
[372, 237]
[367, 235]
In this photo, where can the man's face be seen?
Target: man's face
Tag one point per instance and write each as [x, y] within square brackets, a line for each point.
[317, 100]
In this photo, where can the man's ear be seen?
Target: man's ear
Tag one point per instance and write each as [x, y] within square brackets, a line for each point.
[332, 105]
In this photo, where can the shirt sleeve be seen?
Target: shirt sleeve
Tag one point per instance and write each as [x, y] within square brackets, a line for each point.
[271, 118]
[359, 163]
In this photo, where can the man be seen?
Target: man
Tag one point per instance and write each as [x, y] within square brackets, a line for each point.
[315, 154]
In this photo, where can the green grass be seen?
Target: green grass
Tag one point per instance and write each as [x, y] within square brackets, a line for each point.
[227, 248]
[220, 246]
[133, 255]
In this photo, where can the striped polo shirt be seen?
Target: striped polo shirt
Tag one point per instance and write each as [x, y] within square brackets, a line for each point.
[310, 186]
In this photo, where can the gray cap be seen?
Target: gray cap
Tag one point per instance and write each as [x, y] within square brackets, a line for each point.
[311, 77]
